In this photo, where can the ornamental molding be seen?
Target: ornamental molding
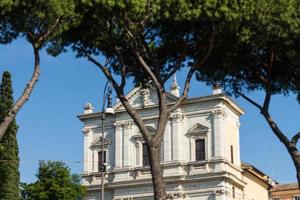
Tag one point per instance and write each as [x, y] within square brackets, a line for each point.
[137, 139]
[177, 116]
[97, 144]
[86, 131]
[198, 131]
[220, 113]
[125, 124]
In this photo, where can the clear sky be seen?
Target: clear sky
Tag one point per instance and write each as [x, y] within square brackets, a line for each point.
[50, 130]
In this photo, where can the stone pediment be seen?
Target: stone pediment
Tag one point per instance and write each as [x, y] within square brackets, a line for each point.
[97, 143]
[197, 130]
[141, 98]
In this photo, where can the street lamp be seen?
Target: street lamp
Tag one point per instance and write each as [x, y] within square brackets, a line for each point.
[109, 110]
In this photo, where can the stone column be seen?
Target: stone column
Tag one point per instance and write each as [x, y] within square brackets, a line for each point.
[118, 144]
[87, 156]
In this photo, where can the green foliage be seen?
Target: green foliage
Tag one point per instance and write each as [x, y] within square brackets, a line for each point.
[34, 18]
[162, 32]
[54, 183]
[9, 153]
[262, 53]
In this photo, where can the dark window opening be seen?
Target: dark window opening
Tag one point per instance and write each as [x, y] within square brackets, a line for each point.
[145, 155]
[200, 149]
[101, 166]
[233, 192]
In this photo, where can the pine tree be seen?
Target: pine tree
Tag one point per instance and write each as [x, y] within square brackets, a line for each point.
[9, 152]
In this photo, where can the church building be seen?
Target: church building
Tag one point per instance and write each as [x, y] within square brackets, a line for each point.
[200, 152]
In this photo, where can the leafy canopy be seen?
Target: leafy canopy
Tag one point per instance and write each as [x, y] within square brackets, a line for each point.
[39, 21]
[55, 182]
[167, 34]
[262, 54]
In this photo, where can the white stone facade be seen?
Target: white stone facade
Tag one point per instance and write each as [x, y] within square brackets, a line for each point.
[213, 118]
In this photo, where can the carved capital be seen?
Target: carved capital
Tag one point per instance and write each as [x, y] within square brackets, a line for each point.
[219, 114]
[177, 116]
[127, 124]
[118, 125]
[86, 131]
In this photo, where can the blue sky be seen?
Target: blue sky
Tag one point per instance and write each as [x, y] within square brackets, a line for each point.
[50, 130]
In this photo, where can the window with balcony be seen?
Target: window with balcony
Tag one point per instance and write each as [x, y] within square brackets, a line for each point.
[200, 149]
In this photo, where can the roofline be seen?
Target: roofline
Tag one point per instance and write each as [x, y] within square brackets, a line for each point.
[221, 97]
[252, 169]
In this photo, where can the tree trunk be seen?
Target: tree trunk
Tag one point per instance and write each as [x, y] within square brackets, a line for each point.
[157, 176]
[24, 97]
[296, 159]
[291, 148]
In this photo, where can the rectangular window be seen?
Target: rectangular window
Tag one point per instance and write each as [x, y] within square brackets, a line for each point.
[296, 197]
[200, 149]
[145, 155]
[233, 192]
[101, 166]
[231, 154]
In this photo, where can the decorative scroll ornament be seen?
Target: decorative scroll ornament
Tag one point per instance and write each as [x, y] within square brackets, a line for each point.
[86, 131]
[127, 124]
[137, 139]
[219, 113]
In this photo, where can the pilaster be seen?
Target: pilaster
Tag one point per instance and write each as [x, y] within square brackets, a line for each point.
[118, 144]
[177, 120]
[127, 145]
[87, 157]
[219, 140]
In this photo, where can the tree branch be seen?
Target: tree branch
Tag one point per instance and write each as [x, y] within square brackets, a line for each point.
[295, 139]
[40, 41]
[123, 68]
[250, 100]
[176, 67]
[25, 95]
[184, 92]
[267, 101]
[120, 93]
[208, 52]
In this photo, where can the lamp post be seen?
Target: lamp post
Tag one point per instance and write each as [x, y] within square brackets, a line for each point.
[109, 110]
